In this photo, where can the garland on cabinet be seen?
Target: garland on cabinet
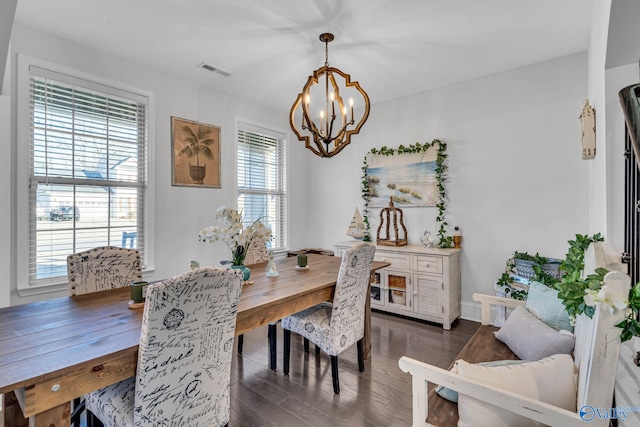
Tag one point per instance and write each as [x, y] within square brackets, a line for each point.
[444, 240]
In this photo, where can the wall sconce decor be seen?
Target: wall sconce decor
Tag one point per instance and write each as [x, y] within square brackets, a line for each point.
[588, 124]
[328, 132]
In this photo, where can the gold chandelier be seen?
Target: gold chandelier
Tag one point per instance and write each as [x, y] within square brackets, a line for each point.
[329, 133]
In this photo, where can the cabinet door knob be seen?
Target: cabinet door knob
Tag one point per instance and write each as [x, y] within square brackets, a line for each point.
[427, 264]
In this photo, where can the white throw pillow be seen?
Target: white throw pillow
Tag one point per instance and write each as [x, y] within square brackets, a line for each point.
[550, 380]
[532, 339]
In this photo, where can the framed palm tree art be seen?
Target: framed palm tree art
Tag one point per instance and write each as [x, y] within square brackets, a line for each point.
[195, 154]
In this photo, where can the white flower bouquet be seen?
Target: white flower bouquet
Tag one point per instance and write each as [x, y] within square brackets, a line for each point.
[233, 233]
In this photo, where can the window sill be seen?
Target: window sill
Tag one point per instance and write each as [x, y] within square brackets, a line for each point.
[42, 289]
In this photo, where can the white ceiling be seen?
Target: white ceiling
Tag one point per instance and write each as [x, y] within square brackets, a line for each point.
[394, 48]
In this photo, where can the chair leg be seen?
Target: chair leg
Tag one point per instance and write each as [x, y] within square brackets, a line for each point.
[334, 374]
[317, 351]
[286, 351]
[273, 349]
[78, 408]
[361, 354]
[240, 343]
[92, 420]
[306, 345]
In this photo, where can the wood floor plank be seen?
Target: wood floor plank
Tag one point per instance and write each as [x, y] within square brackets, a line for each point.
[380, 396]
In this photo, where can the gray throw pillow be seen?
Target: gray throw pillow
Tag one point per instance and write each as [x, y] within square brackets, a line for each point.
[531, 339]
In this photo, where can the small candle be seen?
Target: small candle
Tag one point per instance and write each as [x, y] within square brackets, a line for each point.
[351, 105]
[139, 291]
[332, 97]
[302, 260]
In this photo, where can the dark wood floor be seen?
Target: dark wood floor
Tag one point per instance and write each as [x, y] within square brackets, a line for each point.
[380, 396]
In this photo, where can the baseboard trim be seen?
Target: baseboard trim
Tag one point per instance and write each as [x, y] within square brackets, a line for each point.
[472, 311]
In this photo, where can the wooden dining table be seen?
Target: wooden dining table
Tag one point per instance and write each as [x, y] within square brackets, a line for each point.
[55, 350]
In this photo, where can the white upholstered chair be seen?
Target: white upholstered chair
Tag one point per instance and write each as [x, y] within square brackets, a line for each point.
[184, 360]
[256, 252]
[102, 268]
[98, 269]
[333, 327]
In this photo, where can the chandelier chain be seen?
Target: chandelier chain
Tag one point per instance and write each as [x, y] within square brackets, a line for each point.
[326, 53]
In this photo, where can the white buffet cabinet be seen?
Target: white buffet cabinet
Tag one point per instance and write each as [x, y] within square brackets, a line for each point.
[421, 282]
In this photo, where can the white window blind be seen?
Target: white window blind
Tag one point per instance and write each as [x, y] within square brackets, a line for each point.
[88, 170]
[261, 180]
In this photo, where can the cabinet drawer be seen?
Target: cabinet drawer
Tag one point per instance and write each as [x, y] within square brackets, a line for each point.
[398, 261]
[427, 264]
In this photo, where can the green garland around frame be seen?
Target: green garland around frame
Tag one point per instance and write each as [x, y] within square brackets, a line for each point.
[445, 241]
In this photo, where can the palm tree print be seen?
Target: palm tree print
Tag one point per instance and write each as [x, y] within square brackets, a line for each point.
[198, 143]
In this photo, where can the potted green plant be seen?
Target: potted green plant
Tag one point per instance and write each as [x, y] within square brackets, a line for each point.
[537, 267]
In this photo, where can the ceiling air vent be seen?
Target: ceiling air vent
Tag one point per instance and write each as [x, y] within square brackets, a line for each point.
[214, 69]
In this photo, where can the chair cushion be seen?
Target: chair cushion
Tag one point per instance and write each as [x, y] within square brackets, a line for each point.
[543, 302]
[113, 404]
[531, 339]
[313, 323]
[549, 380]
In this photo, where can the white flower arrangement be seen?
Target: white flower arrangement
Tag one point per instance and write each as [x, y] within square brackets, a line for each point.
[233, 233]
[609, 299]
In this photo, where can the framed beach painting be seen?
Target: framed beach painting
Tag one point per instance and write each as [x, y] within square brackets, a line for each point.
[409, 178]
[195, 153]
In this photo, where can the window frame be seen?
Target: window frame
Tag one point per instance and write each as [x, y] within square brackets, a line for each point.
[24, 220]
[282, 136]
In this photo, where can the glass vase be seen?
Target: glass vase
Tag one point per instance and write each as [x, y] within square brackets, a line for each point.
[245, 271]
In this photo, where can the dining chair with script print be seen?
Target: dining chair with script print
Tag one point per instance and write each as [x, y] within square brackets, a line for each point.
[335, 326]
[98, 269]
[184, 358]
[102, 268]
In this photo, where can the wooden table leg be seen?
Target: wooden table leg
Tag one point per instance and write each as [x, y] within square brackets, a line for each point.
[367, 325]
[60, 416]
[11, 412]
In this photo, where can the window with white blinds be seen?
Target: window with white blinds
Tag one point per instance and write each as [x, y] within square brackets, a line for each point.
[88, 170]
[261, 180]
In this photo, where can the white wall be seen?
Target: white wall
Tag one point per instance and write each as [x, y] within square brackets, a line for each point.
[516, 177]
[179, 211]
[5, 194]
[7, 12]
[598, 177]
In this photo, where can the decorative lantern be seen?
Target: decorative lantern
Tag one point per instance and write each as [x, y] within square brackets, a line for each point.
[386, 216]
